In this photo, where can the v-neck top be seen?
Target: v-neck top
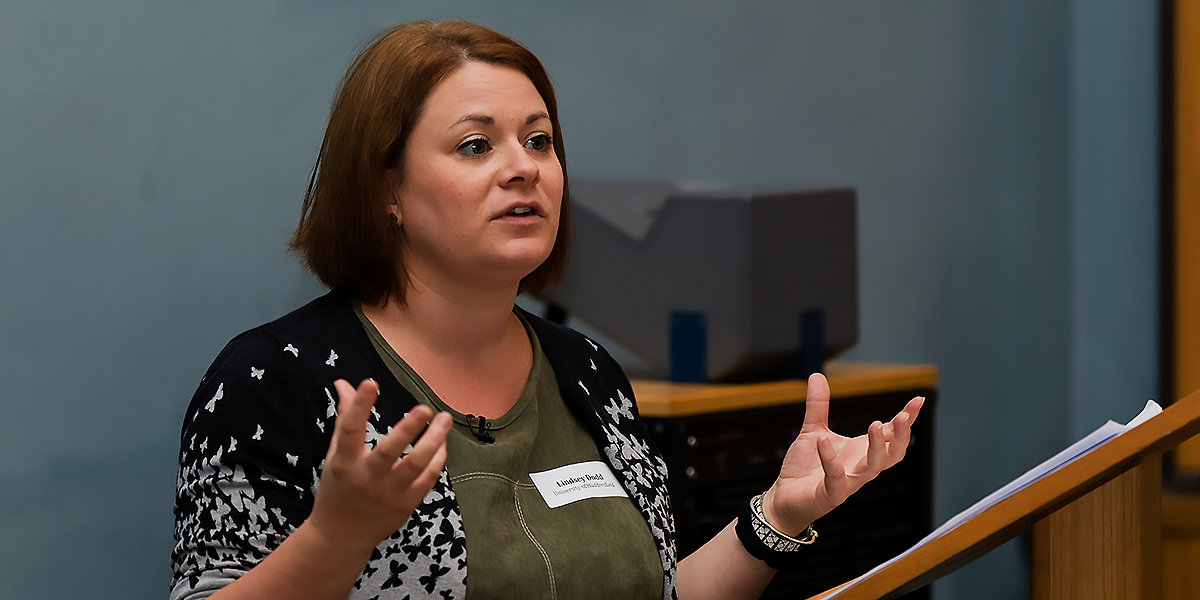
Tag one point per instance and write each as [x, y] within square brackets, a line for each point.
[517, 546]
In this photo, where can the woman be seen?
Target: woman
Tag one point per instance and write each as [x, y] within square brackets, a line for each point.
[439, 194]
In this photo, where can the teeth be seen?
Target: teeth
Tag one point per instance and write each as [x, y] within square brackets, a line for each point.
[521, 211]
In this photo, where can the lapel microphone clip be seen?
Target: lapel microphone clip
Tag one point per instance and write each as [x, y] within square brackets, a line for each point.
[480, 430]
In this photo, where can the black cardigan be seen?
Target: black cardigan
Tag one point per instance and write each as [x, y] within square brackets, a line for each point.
[258, 428]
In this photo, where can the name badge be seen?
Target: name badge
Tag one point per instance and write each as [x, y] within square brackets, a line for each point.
[564, 485]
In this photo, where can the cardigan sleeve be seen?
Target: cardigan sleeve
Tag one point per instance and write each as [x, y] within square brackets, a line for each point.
[251, 450]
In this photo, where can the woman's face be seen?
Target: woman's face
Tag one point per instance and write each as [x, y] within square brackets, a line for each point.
[481, 186]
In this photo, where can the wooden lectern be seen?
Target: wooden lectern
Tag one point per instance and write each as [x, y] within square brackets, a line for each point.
[1096, 523]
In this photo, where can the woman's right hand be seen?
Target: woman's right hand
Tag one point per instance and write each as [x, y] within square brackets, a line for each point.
[365, 494]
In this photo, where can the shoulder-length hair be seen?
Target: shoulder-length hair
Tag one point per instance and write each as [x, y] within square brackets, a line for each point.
[345, 235]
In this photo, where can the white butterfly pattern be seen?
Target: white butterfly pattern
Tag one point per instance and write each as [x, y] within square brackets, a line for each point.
[331, 410]
[331, 361]
[292, 459]
[256, 510]
[294, 350]
[619, 409]
[258, 434]
[212, 404]
[257, 373]
[218, 514]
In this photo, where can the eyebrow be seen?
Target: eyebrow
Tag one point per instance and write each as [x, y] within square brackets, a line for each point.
[487, 120]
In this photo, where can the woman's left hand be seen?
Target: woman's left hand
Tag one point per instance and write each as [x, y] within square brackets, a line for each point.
[821, 468]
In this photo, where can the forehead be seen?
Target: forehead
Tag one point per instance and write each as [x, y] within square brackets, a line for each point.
[483, 88]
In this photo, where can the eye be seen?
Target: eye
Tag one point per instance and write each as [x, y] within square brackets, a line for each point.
[474, 147]
[539, 143]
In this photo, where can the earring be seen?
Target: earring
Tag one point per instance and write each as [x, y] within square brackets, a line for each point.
[395, 222]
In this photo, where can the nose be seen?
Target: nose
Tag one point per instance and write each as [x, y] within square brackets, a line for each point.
[520, 167]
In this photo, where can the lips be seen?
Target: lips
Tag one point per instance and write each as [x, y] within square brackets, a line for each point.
[520, 210]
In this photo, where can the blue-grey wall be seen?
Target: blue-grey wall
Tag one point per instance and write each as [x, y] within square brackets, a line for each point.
[153, 155]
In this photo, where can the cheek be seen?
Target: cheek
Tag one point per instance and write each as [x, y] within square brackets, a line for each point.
[436, 194]
[554, 184]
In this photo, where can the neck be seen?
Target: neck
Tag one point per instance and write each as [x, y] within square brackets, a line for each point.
[463, 340]
[449, 319]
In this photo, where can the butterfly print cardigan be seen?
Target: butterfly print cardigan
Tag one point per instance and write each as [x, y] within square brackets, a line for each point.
[257, 430]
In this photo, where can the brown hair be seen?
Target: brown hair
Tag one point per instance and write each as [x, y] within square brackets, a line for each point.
[345, 235]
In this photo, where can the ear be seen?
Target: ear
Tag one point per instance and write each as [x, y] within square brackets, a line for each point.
[393, 182]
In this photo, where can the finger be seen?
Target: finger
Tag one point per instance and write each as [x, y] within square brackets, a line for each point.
[901, 432]
[835, 473]
[424, 449]
[877, 447]
[913, 408]
[392, 446]
[350, 430]
[428, 476]
[816, 403]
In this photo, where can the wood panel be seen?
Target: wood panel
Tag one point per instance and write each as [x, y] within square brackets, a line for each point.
[1105, 545]
[1181, 511]
[1181, 546]
[1187, 215]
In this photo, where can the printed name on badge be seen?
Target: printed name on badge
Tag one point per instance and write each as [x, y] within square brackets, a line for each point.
[564, 485]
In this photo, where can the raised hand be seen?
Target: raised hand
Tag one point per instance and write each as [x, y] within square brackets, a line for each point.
[821, 468]
[366, 494]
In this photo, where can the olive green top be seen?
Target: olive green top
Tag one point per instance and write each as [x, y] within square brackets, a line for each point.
[518, 547]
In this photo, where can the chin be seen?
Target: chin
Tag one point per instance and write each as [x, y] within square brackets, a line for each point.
[519, 267]
[527, 252]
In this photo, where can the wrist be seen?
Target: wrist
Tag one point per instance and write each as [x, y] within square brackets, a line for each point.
[772, 516]
[307, 564]
[763, 541]
[329, 542]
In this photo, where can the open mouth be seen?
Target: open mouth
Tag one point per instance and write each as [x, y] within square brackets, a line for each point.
[520, 211]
